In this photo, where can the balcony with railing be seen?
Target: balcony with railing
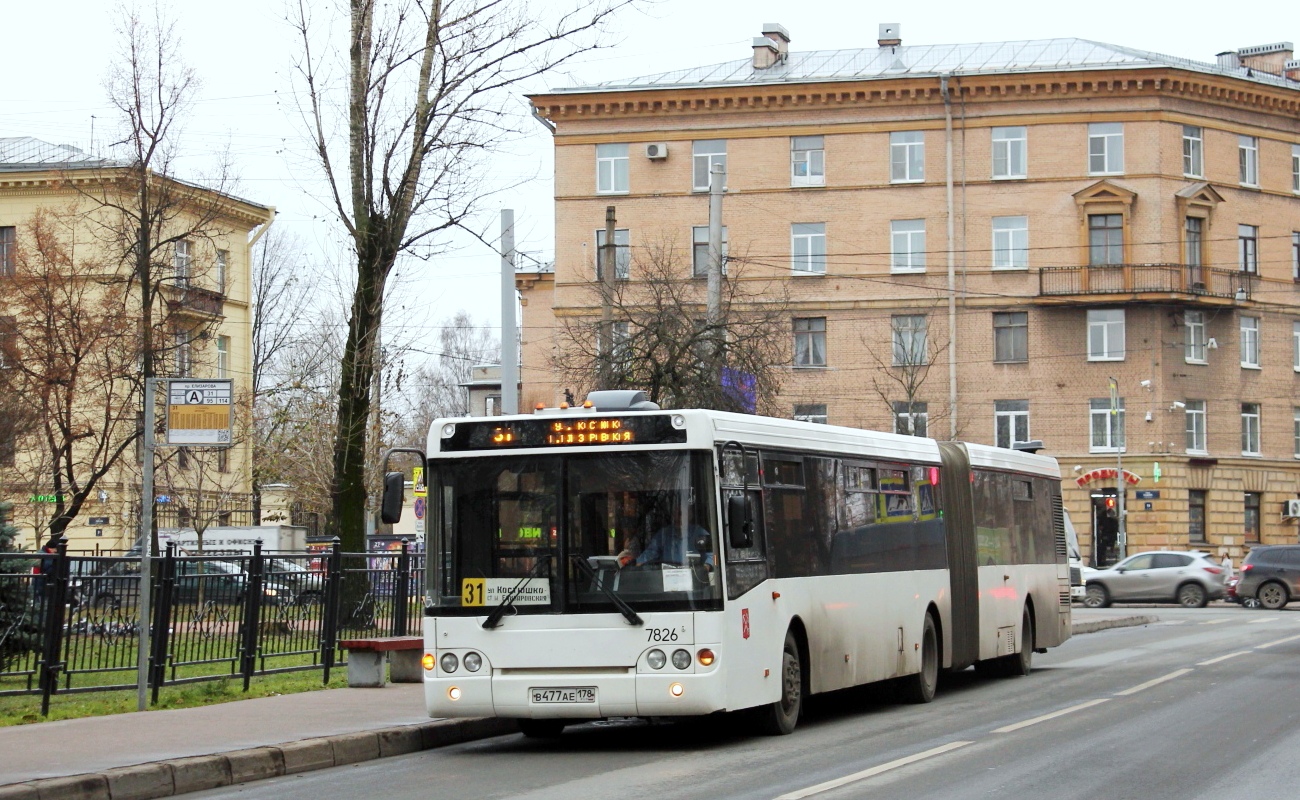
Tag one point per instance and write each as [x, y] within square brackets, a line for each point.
[195, 300]
[1109, 283]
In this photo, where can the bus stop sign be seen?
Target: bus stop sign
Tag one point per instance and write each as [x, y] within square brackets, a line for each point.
[200, 412]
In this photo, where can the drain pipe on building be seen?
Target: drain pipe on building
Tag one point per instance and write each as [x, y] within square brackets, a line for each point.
[952, 262]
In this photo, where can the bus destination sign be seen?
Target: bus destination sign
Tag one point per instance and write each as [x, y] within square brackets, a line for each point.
[563, 432]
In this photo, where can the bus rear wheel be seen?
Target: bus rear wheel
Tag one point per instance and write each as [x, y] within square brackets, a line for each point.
[920, 688]
[779, 718]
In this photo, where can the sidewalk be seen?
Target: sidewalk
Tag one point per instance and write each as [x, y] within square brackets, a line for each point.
[164, 753]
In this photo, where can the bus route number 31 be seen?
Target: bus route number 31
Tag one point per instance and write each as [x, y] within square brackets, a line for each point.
[662, 634]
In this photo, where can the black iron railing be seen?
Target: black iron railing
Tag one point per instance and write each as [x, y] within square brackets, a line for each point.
[1146, 278]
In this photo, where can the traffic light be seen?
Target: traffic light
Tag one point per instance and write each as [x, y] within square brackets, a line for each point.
[1111, 510]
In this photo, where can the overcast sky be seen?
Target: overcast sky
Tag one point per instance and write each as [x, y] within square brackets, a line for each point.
[55, 51]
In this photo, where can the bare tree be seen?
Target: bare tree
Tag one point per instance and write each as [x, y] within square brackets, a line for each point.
[429, 96]
[900, 380]
[436, 388]
[663, 345]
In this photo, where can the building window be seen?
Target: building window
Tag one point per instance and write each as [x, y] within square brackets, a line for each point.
[1106, 148]
[1295, 346]
[1196, 516]
[909, 335]
[1193, 146]
[1250, 429]
[1251, 503]
[622, 254]
[811, 412]
[1295, 255]
[1010, 337]
[810, 341]
[492, 406]
[1105, 239]
[1010, 422]
[8, 341]
[1295, 168]
[7, 236]
[183, 263]
[807, 161]
[704, 154]
[182, 346]
[700, 251]
[1248, 248]
[8, 448]
[1107, 428]
[907, 245]
[906, 156]
[1009, 149]
[1106, 334]
[1295, 423]
[911, 419]
[808, 247]
[1194, 337]
[223, 460]
[1193, 236]
[223, 269]
[1195, 411]
[1011, 243]
[1248, 160]
[223, 356]
[611, 169]
[1250, 342]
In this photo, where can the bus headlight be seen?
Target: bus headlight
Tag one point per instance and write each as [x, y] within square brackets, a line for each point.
[681, 659]
[656, 659]
[473, 662]
[449, 662]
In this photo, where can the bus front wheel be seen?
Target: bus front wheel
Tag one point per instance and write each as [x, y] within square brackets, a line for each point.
[779, 718]
[919, 688]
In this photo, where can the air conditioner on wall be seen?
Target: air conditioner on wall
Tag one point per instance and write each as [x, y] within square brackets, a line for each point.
[656, 151]
[1291, 509]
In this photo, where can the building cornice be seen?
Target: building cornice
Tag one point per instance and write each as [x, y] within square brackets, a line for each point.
[918, 91]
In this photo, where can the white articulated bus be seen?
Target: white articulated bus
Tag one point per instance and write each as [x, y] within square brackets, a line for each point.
[620, 560]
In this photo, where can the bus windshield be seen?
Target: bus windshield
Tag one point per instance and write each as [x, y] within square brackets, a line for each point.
[573, 532]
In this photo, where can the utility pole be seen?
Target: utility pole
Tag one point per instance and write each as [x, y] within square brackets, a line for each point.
[608, 266]
[1117, 431]
[509, 327]
[713, 313]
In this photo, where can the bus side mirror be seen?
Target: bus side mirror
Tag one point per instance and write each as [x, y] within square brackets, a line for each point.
[390, 510]
[739, 528]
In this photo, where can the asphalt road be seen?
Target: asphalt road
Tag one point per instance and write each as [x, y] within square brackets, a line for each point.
[1205, 703]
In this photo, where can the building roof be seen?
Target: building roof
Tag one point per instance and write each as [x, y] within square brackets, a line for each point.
[26, 153]
[867, 63]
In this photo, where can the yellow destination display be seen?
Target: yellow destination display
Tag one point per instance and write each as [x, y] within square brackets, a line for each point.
[199, 417]
[494, 591]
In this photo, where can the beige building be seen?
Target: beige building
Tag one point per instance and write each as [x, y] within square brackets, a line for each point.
[203, 329]
[977, 240]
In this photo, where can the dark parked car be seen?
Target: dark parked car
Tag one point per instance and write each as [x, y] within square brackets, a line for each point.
[217, 581]
[1270, 575]
[1189, 579]
[308, 586]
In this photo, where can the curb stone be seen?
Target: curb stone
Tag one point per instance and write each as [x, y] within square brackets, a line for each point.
[1092, 626]
[181, 775]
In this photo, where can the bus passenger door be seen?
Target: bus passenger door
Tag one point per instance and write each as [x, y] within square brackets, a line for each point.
[746, 566]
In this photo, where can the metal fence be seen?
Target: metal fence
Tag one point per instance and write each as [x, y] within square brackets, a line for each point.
[70, 623]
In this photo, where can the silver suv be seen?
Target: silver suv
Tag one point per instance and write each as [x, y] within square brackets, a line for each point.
[1189, 579]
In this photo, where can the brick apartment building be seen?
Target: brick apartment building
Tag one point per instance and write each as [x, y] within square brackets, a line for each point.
[1013, 225]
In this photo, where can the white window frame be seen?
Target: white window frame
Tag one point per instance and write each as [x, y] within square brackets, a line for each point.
[1295, 421]
[807, 161]
[1248, 248]
[1106, 334]
[1010, 153]
[810, 412]
[1007, 415]
[1194, 338]
[906, 422]
[1248, 160]
[700, 251]
[183, 262]
[1193, 151]
[1011, 243]
[223, 270]
[1249, 327]
[622, 253]
[906, 246]
[1106, 148]
[909, 337]
[704, 154]
[223, 356]
[1295, 255]
[182, 358]
[1195, 426]
[1295, 168]
[612, 163]
[1250, 428]
[1100, 420]
[8, 237]
[809, 342]
[907, 157]
[1295, 346]
[808, 248]
[1011, 330]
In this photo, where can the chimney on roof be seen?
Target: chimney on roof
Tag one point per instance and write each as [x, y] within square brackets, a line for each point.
[773, 47]
[1270, 58]
[891, 34]
[1291, 70]
[1228, 59]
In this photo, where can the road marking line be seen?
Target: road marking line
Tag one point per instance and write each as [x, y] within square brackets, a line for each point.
[1279, 641]
[1213, 621]
[1178, 673]
[867, 773]
[1258, 621]
[1222, 658]
[1017, 726]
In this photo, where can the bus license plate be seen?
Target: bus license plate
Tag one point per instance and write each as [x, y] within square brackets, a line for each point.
[564, 694]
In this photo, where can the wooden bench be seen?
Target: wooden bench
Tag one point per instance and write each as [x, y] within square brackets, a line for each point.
[366, 660]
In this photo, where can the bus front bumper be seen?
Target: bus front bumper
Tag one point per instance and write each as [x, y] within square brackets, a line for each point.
[523, 694]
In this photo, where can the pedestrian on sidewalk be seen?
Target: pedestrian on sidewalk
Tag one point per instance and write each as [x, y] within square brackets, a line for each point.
[1227, 565]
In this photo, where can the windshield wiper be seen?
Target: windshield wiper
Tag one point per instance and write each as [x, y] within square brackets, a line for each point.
[494, 618]
[625, 609]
